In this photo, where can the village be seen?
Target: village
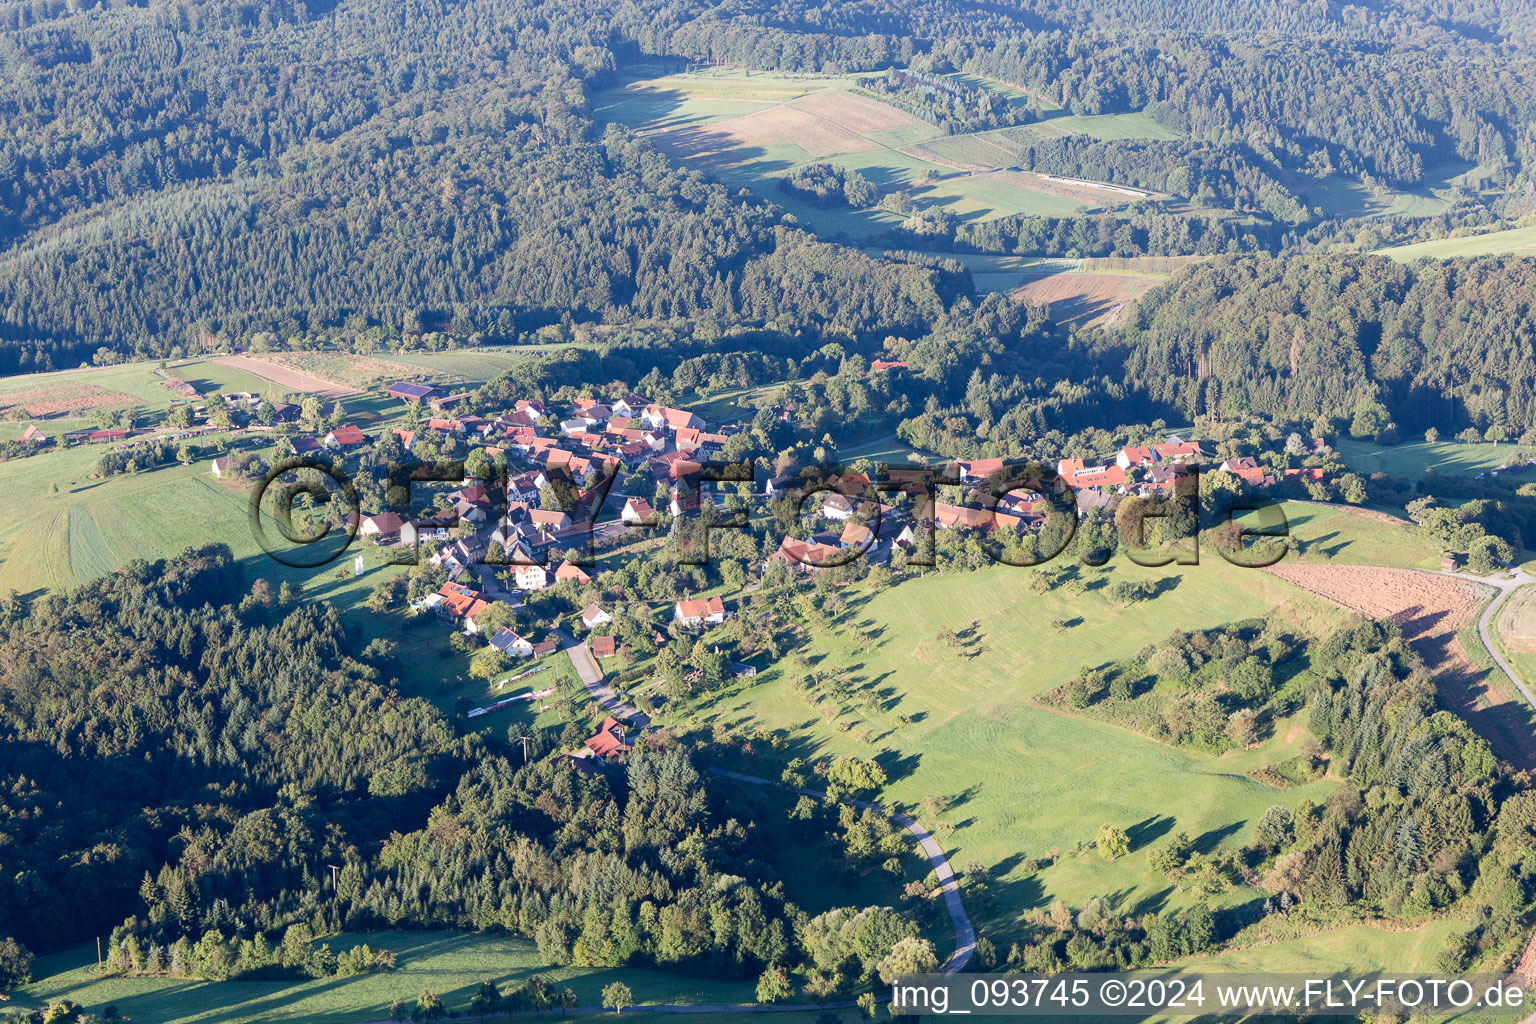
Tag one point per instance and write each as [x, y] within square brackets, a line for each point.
[547, 484]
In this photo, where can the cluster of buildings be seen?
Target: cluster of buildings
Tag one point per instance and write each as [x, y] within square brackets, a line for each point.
[577, 447]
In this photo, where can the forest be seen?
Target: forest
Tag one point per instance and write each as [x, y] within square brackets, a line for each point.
[258, 746]
[210, 200]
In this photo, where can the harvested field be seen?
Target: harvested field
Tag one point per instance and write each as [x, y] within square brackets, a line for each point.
[1431, 610]
[1084, 299]
[967, 152]
[63, 400]
[857, 113]
[295, 380]
[743, 139]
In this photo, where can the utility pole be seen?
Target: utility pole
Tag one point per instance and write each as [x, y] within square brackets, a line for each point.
[334, 870]
[98, 952]
[524, 740]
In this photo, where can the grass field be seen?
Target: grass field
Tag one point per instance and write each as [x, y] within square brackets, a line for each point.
[450, 964]
[1520, 241]
[1339, 533]
[1412, 460]
[749, 129]
[52, 541]
[1050, 781]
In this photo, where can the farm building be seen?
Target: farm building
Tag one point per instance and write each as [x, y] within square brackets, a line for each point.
[415, 394]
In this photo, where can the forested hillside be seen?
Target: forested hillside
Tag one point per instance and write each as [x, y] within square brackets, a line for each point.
[1437, 344]
[192, 769]
[185, 175]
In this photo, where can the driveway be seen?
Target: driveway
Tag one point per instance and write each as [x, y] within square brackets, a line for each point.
[591, 677]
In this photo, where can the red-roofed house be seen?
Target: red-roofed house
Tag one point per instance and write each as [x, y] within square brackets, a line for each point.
[571, 571]
[610, 743]
[386, 524]
[462, 604]
[604, 647]
[1177, 450]
[669, 418]
[700, 611]
[1135, 456]
[1248, 470]
[636, 510]
[344, 437]
[978, 469]
[805, 555]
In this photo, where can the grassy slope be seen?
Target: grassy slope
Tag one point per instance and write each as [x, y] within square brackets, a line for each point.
[1521, 240]
[1020, 780]
[452, 965]
[1410, 461]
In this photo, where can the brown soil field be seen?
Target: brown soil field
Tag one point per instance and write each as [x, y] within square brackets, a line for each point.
[729, 142]
[294, 380]
[856, 113]
[1431, 609]
[1085, 299]
[71, 399]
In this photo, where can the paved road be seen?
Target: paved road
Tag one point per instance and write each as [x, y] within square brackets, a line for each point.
[591, 677]
[965, 933]
[1517, 578]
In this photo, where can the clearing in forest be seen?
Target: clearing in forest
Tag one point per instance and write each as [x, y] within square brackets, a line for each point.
[750, 129]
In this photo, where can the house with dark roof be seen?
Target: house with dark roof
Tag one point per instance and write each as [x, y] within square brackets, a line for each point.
[511, 644]
[415, 394]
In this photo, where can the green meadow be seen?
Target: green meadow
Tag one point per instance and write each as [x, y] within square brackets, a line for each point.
[1020, 781]
[447, 963]
[1521, 241]
[1412, 460]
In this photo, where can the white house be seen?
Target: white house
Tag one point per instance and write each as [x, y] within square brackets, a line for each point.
[702, 611]
[531, 577]
[593, 616]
